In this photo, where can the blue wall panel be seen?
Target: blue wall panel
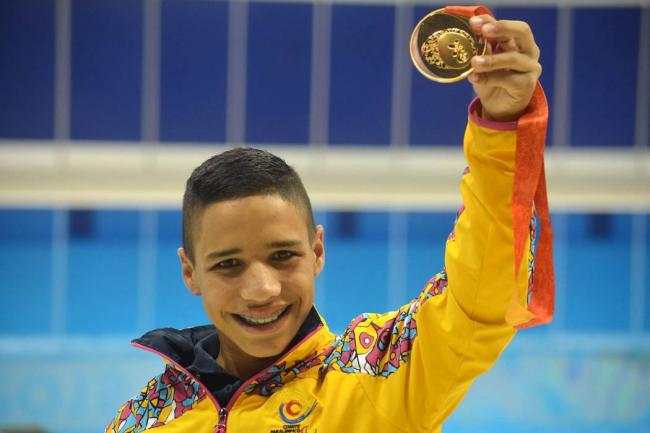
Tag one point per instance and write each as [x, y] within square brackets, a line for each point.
[103, 263]
[543, 22]
[27, 71]
[279, 67]
[359, 225]
[438, 111]
[174, 305]
[647, 274]
[355, 277]
[106, 57]
[598, 273]
[169, 226]
[361, 74]
[430, 227]
[26, 225]
[604, 76]
[194, 50]
[25, 271]
[102, 299]
[106, 49]
[426, 237]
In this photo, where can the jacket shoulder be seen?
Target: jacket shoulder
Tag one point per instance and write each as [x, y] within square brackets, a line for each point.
[163, 399]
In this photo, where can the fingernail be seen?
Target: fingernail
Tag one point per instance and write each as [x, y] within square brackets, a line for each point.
[488, 28]
[475, 20]
[479, 61]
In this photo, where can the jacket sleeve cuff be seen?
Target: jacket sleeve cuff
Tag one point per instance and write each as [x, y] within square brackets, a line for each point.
[474, 113]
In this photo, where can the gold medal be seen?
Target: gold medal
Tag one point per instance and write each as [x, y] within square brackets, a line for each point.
[442, 46]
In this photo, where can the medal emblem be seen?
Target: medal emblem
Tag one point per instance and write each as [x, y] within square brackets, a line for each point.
[442, 46]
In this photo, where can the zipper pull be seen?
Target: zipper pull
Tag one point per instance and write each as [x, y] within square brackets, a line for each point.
[221, 425]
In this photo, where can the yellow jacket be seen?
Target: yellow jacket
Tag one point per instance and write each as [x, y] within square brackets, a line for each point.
[406, 370]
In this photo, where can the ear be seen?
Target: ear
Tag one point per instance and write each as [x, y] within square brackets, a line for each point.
[318, 247]
[187, 272]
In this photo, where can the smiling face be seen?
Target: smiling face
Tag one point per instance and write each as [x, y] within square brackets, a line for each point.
[254, 266]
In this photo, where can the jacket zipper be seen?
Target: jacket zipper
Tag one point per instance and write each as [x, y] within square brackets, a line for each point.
[223, 411]
[243, 386]
[221, 425]
[214, 401]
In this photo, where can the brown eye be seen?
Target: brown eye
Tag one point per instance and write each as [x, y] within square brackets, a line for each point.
[283, 255]
[226, 264]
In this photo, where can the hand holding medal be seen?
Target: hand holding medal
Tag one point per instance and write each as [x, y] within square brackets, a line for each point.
[499, 58]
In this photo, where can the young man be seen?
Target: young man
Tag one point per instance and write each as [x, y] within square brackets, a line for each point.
[251, 251]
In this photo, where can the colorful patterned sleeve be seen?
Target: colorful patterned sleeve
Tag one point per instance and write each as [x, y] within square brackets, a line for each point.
[417, 363]
[163, 399]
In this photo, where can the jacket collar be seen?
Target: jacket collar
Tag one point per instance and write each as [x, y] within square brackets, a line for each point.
[195, 349]
[308, 350]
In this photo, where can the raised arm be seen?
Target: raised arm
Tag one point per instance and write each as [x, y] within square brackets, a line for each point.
[498, 272]
[506, 82]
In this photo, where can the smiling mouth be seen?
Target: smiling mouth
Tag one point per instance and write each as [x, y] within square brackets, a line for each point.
[261, 321]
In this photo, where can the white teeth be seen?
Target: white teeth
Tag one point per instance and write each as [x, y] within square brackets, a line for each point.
[261, 321]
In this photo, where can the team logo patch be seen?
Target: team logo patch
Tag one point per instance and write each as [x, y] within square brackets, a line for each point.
[294, 412]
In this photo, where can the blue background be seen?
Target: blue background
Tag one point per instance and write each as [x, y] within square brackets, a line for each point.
[77, 284]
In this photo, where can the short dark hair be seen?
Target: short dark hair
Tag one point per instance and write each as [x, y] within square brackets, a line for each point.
[239, 173]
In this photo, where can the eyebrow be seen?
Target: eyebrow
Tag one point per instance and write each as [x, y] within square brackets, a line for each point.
[283, 244]
[230, 251]
[223, 253]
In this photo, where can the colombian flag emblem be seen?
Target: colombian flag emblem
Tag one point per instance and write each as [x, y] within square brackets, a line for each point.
[294, 412]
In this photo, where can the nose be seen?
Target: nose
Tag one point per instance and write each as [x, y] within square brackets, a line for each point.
[261, 284]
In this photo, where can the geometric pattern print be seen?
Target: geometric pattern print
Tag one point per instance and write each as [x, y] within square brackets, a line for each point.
[534, 231]
[373, 344]
[277, 375]
[370, 345]
[378, 344]
[165, 398]
[435, 286]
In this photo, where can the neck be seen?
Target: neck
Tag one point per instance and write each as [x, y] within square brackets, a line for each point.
[240, 364]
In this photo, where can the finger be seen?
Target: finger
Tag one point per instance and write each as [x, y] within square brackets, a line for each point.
[500, 43]
[505, 46]
[519, 31]
[477, 22]
[504, 79]
[511, 60]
